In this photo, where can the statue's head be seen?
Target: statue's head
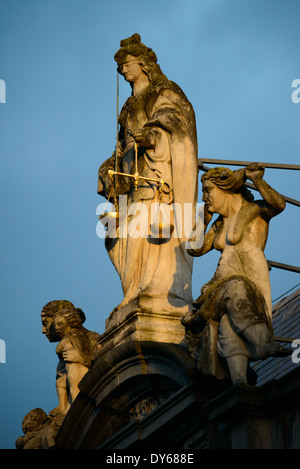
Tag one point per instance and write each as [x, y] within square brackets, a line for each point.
[217, 182]
[225, 179]
[133, 49]
[33, 420]
[228, 180]
[67, 319]
[47, 316]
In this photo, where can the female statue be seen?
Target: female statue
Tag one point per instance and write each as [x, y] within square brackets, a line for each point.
[238, 298]
[159, 119]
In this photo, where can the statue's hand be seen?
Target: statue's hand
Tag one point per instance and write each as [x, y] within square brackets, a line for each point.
[72, 355]
[254, 172]
[105, 181]
[143, 138]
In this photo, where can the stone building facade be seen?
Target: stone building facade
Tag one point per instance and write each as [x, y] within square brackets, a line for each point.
[143, 393]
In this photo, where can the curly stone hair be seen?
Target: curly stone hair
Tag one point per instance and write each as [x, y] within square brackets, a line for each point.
[52, 307]
[75, 317]
[37, 414]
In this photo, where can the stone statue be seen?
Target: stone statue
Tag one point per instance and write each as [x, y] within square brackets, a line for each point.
[39, 431]
[232, 320]
[158, 122]
[62, 323]
[77, 346]
[76, 351]
[47, 317]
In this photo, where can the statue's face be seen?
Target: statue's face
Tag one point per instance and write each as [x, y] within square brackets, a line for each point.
[213, 197]
[48, 328]
[31, 422]
[131, 69]
[61, 326]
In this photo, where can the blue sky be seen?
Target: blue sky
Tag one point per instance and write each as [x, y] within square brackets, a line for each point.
[235, 60]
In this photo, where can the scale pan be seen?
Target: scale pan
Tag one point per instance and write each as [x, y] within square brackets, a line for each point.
[162, 230]
[109, 216]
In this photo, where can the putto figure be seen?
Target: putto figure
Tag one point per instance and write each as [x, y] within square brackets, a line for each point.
[233, 315]
[76, 351]
[158, 135]
[39, 430]
[77, 347]
[63, 323]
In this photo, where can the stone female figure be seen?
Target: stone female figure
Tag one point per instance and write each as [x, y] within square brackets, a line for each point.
[238, 298]
[161, 121]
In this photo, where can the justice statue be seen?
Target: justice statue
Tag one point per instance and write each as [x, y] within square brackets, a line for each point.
[154, 165]
[232, 320]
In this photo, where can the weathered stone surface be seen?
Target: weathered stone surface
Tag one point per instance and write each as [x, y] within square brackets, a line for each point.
[76, 348]
[39, 431]
[238, 297]
[142, 325]
[127, 385]
[265, 417]
[157, 142]
[151, 396]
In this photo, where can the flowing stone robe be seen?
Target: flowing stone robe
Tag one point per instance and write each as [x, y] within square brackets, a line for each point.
[156, 272]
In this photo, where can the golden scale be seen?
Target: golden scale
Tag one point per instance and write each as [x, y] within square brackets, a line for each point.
[160, 229]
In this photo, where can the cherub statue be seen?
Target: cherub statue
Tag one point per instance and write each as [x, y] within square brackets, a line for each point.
[38, 429]
[77, 346]
[76, 351]
[47, 317]
[232, 318]
[63, 323]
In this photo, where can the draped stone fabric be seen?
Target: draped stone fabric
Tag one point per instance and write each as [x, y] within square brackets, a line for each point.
[158, 272]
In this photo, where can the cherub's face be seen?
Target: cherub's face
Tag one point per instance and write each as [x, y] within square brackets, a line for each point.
[61, 326]
[31, 423]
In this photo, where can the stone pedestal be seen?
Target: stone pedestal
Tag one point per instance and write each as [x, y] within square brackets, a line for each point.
[142, 325]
